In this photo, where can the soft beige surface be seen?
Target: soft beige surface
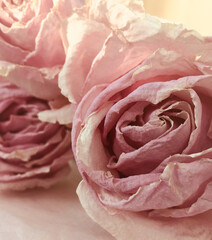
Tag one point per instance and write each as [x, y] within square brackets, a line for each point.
[194, 13]
[53, 214]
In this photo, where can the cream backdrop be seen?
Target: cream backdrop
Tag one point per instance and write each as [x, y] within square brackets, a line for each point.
[195, 14]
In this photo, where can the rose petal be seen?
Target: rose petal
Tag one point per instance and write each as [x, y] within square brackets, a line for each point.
[63, 115]
[124, 224]
[11, 53]
[71, 77]
[36, 79]
[51, 54]
[125, 56]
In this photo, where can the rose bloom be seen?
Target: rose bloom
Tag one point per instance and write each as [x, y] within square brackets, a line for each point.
[32, 50]
[32, 153]
[142, 133]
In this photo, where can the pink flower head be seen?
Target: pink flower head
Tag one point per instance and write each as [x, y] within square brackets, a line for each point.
[142, 128]
[32, 153]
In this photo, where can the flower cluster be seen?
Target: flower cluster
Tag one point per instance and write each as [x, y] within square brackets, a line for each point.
[137, 93]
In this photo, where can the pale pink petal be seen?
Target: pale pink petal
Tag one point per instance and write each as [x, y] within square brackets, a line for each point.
[121, 54]
[63, 115]
[34, 81]
[25, 151]
[81, 111]
[168, 65]
[42, 7]
[115, 13]
[65, 7]
[62, 146]
[124, 225]
[32, 182]
[80, 33]
[5, 18]
[11, 53]
[204, 203]
[51, 54]
[23, 36]
[90, 147]
[173, 188]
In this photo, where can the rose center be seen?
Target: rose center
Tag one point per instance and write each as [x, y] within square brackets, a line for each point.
[146, 134]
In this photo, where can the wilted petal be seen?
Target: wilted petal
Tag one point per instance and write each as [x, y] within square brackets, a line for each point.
[125, 224]
[75, 69]
[51, 54]
[63, 115]
[32, 79]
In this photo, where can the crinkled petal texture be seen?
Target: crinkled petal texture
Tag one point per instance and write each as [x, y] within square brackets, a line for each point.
[143, 145]
[124, 36]
[32, 153]
[32, 49]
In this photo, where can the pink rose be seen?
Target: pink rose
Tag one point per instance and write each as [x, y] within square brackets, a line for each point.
[32, 49]
[32, 153]
[142, 133]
